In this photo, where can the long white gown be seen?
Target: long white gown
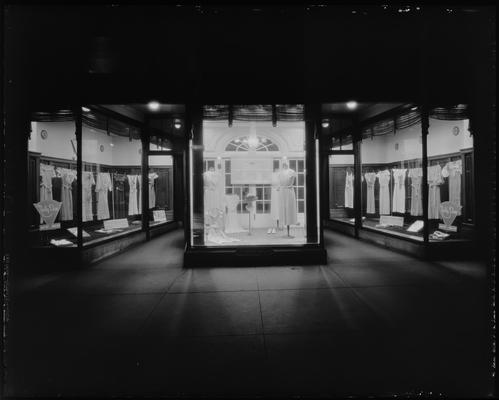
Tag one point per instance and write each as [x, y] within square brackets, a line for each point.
[398, 203]
[287, 212]
[274, 198]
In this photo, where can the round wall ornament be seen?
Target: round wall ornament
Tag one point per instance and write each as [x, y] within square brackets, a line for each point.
[44, 134]
[101, 148]
[455, 131]
[140, 151]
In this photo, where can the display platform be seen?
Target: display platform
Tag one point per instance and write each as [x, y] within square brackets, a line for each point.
[306, 254]
[260, 236]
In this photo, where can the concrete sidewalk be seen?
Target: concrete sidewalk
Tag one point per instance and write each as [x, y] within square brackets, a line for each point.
[370, 322]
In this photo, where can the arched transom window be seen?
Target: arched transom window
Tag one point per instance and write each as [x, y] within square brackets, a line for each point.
[244, 143]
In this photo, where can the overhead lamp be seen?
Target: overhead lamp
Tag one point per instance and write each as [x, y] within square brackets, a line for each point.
[325, 123]
[352, 105]
[177, 124]
[85, 109]
[153, 105]
[253, 142]
[414, 108]
[111, 144]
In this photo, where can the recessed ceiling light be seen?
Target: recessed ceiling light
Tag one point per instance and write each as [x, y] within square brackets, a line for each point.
[153, 105]
[325, 124]
[414, 108]
[85, 109]
[352, 105]
[177, 124]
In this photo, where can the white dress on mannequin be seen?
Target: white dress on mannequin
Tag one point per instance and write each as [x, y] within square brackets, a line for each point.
[287, 212]
[102, 188]
[274, 198]
[232, 224]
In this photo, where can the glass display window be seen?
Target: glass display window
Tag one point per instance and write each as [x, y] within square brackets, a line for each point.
[450, 178]
[341, 188]
[52, 185]
[249, 181]
[391, 178]
[161, 189]
[111, 178]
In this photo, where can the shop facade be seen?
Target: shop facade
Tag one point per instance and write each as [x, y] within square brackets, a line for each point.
[378, 173]
[251, 184]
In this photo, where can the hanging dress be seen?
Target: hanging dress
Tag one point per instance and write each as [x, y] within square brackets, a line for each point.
[274, 197]
[47, 172]
[102, 188]
[87, 182]
[119, 205]
[453, 170]
[434, 182]
[152, 193]
[139, 193]
[68, 176]
[370, 178]
[132, 198]
[398, 203]
[384, 191]
[416, 175]
[349, 190]
[287, 211]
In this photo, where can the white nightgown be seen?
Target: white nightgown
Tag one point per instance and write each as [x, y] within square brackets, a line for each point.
[349, 179]
[132, 198]
[416, 175]
[434, 182]
[384, 191]
[68, 176]
[87, 182]
[152, 193]
[370, 178]
[102, 188]
[398, 204]
[453, 170]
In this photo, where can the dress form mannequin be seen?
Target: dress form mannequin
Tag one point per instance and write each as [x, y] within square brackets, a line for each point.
[287, 199]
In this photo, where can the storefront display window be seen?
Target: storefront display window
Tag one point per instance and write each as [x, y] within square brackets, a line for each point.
[450, 177]
[341, 188]
[111, 178]
[391, 179]
[253, 179]
[52, 186]
[161, 187]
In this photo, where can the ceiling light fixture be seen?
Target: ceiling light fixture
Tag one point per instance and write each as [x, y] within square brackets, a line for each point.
[153, 105]
[85, 109]
[352, 105]
[325, 123]
[177, 124]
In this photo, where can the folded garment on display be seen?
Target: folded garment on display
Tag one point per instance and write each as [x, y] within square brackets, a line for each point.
[438, 235]
[107, 231]
[62, 242]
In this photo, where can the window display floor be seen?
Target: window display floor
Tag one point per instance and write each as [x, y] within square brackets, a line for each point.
[259, 236]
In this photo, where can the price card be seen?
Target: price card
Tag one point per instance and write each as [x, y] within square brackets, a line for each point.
[159, 215]
[116, 223]
[391, 220]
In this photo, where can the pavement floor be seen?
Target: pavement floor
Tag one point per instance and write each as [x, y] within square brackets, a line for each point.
[370, 322]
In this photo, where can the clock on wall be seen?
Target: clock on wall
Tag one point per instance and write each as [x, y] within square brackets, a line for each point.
[140, 151]
[44, 134]
[101, 148]
[455, 131]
